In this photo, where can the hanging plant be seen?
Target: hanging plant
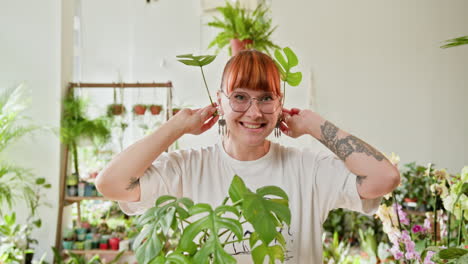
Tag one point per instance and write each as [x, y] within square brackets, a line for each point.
[139, 109]
[116, 109]
[76, 125]
[155, 109]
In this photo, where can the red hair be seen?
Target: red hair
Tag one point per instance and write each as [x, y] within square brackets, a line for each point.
[251, 69]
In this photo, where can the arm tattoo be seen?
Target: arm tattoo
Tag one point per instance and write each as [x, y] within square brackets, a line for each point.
[344, 147]
[134, 182]
[360, 179]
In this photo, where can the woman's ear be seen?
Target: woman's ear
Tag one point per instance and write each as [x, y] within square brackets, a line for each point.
[218, 99]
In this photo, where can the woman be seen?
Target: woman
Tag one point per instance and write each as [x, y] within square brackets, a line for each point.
[250, 105]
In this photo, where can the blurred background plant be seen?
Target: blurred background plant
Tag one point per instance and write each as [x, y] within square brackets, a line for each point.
[17, 184]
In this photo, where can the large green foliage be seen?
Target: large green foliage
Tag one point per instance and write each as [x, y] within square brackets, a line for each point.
[165, 239]
[238, 23]
[15, 182]
[76, 125]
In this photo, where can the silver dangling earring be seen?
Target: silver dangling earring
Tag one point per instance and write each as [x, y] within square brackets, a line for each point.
[277, 130]
[222, 129]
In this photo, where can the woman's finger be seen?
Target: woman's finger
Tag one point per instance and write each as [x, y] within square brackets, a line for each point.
[210, 123]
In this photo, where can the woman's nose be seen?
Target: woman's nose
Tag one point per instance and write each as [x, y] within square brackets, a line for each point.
[254, 110]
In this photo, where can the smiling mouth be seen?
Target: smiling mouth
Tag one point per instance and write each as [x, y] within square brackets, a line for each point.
[252, 126]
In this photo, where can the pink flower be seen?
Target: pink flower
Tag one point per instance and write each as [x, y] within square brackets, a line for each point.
[402, 215]
[427, 259]
[417, 229]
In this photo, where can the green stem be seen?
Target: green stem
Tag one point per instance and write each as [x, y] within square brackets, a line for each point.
[75, 157]
[206, 85]
[399, 223]
[284, 94]
[460, 226]
[435, 220]
[235, 241]
[238, 202]
[448, 229]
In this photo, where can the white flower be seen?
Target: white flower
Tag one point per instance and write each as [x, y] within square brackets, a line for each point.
[464, 174]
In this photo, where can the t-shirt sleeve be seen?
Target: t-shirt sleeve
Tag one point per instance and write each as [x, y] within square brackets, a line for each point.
[163, 177]
[336, 187]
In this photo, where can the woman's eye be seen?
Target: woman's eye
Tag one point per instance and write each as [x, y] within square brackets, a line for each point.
[240, 97]
[266, 98]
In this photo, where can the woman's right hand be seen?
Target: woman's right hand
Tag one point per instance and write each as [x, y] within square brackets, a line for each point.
[196, 121]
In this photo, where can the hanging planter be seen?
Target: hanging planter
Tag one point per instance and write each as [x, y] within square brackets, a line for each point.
[155, 109]
[175, 110]
[116, 109]
[139, 109]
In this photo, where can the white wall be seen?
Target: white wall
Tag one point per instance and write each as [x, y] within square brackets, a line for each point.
[377, 68]
[31, 52]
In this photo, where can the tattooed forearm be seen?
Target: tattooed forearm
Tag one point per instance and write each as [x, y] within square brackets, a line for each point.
[133, 184]
[346, 146]
[360, 179]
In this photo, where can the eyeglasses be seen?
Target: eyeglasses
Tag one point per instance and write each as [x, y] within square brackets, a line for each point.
[267, 103]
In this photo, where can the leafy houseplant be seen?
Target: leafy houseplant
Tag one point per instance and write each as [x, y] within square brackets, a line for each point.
[242, 29]
[15, 182]
[179, 231]
[76, 126]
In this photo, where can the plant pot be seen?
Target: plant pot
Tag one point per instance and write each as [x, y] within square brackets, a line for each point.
[115, 109]
[124, 245]
[139, 109]
[239, 45]
[114, 243]
[81, 188]
[68, 244]
[175, 111]
[72, 190]
[155, 109]
[90, 190]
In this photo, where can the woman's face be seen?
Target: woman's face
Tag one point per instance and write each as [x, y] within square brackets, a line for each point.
[252, 126]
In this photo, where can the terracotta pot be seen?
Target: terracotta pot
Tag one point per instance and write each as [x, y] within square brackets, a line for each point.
[155, 109]
[116, 109]
[114, 243]
[238, 45]
[139, 109]
[175, 111]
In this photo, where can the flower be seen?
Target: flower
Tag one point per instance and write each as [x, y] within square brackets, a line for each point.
[427, 259]
[416, 229]
[442, 175]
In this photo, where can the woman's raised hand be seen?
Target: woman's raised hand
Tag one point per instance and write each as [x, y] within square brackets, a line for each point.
[297, 122]
[196, 121]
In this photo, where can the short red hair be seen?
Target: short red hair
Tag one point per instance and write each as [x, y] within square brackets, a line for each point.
[251, 69]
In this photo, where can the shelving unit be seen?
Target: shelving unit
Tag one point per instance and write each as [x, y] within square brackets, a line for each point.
[64, 199]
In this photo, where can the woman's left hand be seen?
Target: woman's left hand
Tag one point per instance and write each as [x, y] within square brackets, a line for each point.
[297, 122]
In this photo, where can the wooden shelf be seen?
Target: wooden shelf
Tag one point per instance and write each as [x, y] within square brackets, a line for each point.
[98, 252]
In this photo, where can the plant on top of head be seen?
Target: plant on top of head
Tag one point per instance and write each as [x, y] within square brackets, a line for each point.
[430, 242]
[284, 66]
[178, 231]
[198, 61]
[243, 29]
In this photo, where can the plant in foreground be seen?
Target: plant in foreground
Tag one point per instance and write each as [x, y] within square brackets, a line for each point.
[178, 231]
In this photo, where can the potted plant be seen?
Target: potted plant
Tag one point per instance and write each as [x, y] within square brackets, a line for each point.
[175, 110]
[116, 109]
[155, 109]
[76, 126]
[242, 29]
[139, 109]
[183, 232]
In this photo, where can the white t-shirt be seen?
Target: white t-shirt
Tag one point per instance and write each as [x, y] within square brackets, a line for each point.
[315, 183]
